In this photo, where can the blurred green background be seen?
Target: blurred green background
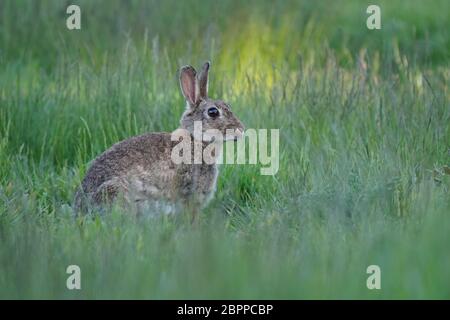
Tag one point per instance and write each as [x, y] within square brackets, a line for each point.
[364, 148]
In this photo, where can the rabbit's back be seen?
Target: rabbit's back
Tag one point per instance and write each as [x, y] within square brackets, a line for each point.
[136, 166]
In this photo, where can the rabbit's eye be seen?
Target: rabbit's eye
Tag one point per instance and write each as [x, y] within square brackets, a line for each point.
[213, 112]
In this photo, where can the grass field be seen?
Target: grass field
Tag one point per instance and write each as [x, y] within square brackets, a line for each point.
[364, 172]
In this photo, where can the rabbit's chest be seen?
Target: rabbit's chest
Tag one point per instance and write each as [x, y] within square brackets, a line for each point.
[205, 178]
[197, 182]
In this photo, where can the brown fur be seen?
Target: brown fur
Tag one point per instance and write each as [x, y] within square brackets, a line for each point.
[141, 169]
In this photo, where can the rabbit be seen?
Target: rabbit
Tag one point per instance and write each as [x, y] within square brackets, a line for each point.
[141, 171]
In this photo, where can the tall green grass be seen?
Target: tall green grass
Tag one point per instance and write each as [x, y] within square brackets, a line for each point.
[364, 148]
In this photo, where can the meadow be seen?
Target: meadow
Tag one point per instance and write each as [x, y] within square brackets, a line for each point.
[364, 176]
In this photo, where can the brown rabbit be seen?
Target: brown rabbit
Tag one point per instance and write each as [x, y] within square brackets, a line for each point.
[141, 169]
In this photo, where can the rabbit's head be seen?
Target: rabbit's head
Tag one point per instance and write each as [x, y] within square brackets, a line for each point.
[212, 114]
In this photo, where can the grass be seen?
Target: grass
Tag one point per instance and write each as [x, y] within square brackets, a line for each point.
[364, 148]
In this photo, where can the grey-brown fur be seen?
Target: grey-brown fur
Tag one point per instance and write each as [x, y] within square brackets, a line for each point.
[140, 169]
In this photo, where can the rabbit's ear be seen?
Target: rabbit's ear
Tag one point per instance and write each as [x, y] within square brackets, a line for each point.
[203, 81]
[188, 84]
